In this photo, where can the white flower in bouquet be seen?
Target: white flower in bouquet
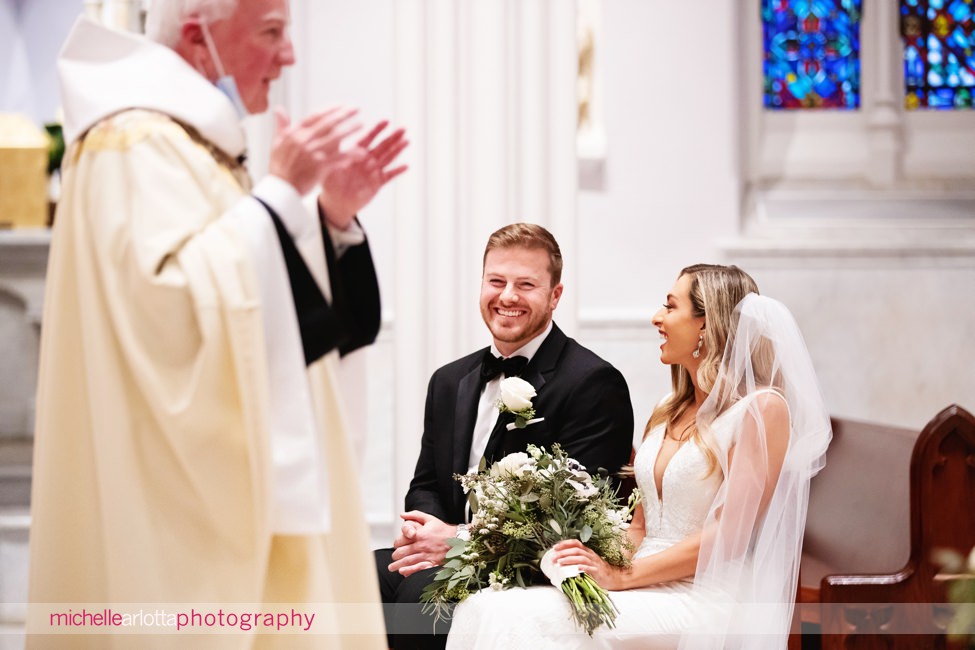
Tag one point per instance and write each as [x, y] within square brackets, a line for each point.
[581, 481]
[619, 519]
[516, 464]
[468, 483]
[583, 490]
[497, 581]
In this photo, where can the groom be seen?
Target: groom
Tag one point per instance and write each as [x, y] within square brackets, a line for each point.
[583, 399]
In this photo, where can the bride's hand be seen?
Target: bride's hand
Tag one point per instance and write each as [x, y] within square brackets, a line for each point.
[572, 552]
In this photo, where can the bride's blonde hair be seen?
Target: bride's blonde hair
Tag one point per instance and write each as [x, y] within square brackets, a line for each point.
[715, 291]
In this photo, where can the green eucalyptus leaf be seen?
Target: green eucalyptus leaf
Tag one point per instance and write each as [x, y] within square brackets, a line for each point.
[443, 573]
[585, 534]
[456, 551]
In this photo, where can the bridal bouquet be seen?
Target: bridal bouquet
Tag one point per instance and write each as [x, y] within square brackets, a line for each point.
[521, 507]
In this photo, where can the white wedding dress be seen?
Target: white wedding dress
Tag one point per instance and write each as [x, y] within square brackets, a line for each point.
[539, 618]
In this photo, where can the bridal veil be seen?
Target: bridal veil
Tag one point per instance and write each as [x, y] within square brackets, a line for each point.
[749, 558]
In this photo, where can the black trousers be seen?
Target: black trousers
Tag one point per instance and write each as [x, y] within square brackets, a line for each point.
[407, 628]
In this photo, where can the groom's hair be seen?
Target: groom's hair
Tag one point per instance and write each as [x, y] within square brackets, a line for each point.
[532, 236]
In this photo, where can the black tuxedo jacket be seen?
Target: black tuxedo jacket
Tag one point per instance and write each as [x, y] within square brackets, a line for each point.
[584, 400]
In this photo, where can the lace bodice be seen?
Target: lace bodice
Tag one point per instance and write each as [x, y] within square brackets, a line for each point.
[688, 490]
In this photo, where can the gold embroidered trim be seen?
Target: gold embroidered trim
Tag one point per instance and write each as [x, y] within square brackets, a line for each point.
[121, 131]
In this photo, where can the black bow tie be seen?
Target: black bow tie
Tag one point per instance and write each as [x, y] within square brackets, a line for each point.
[492, 366]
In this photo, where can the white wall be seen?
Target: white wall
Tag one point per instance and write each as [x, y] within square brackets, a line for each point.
[345, 57]
[31, 34]
[671, 183]
[672, 180]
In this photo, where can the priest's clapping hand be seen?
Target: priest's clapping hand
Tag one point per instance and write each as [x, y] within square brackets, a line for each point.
[421, 544]
[353, 176]
[302, 152]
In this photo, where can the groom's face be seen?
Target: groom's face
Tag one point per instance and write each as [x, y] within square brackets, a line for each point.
[517, 296]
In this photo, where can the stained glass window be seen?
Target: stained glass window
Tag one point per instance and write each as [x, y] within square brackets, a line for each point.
[939, 53]
[812, 53]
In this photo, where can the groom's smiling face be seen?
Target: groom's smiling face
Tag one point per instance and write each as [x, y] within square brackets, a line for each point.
[517, 296]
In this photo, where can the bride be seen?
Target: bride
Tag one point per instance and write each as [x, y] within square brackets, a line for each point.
[724, 472]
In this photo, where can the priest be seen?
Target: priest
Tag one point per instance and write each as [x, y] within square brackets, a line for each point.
[190, 449]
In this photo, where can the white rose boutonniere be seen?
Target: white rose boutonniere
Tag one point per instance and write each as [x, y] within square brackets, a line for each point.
[516, 398]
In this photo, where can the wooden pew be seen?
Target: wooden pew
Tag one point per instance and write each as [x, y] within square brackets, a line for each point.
[902, 606]
[855, 522]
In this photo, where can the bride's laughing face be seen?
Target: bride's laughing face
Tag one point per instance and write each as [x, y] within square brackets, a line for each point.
[680, 329]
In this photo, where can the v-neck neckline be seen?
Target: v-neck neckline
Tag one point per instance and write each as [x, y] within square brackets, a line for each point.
[659, 489]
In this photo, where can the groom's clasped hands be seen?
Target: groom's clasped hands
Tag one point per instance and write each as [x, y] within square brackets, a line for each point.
[421, 543]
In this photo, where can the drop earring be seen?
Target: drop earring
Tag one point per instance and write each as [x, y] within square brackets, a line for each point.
[697, 353]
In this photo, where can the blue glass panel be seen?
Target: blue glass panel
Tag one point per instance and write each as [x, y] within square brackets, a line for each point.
[812, 53]
[939, 53]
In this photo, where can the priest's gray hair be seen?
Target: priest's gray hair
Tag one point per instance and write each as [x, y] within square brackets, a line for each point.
[165, 18]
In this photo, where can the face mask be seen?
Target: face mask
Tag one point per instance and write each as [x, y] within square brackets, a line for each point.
[225, 83]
